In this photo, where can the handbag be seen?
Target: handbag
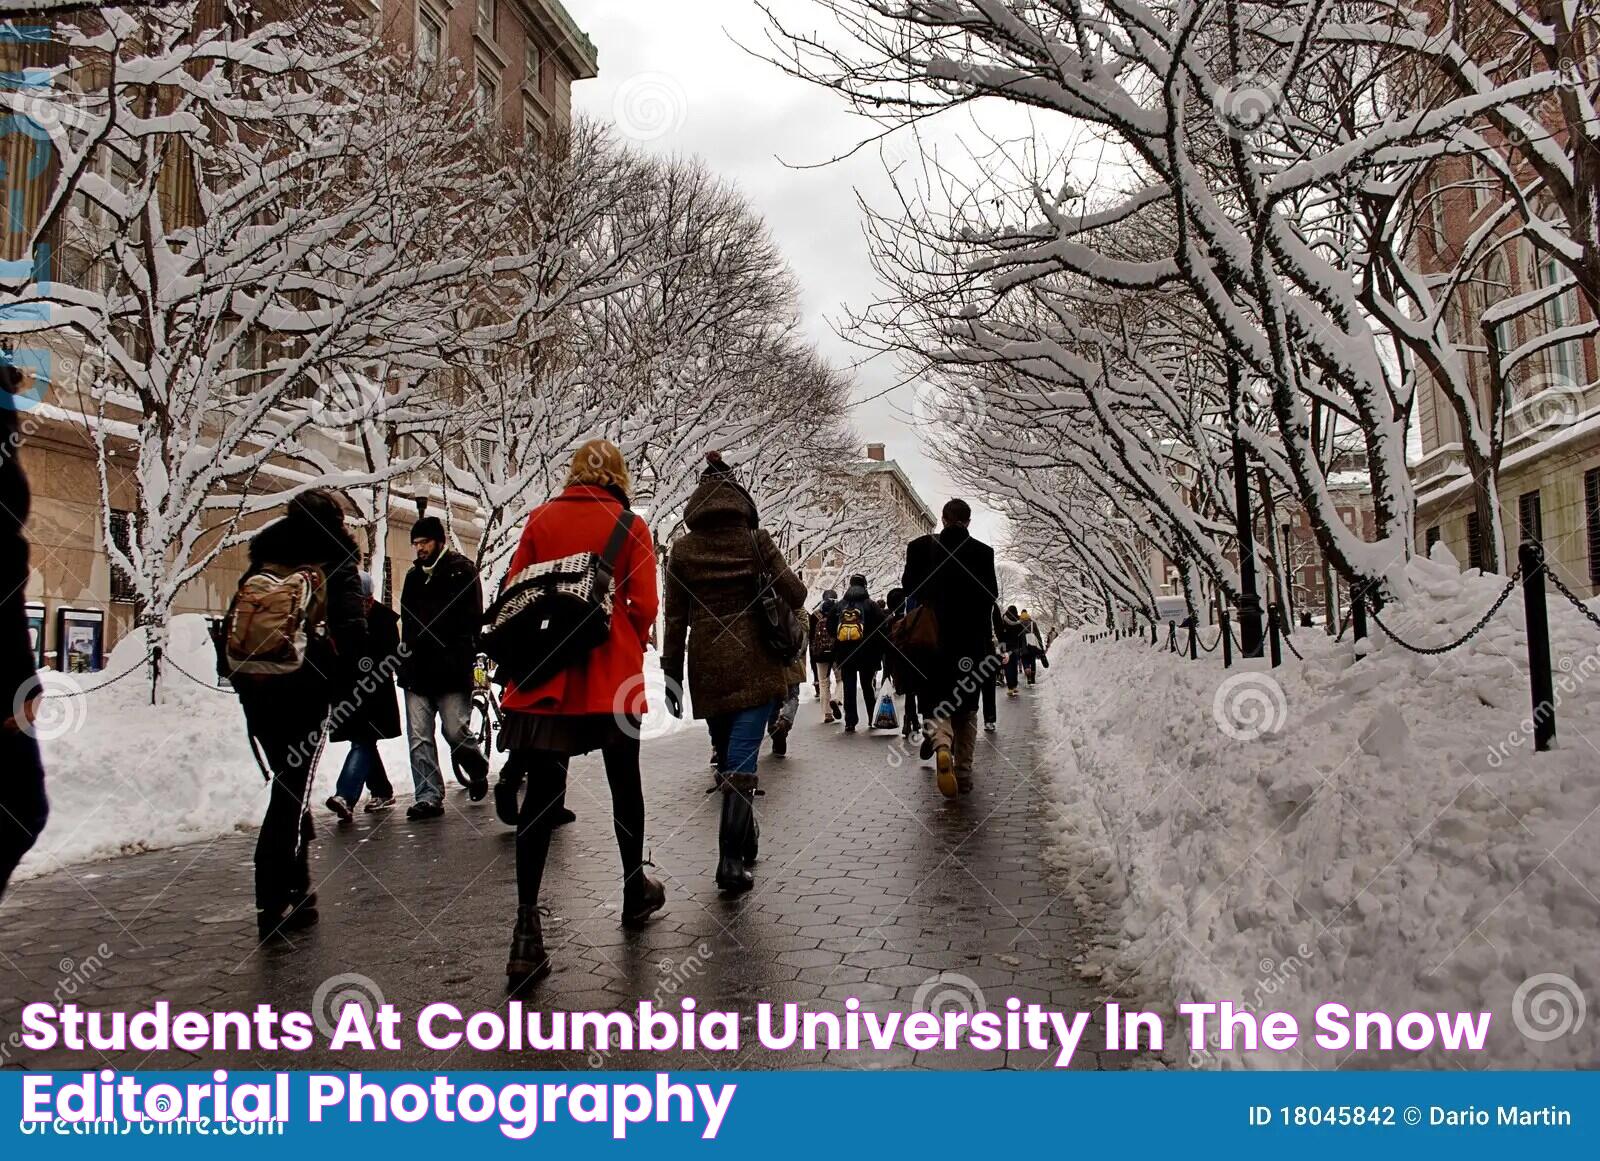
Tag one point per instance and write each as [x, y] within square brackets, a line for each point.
[779, 625]
[916, 636]
[552, 614]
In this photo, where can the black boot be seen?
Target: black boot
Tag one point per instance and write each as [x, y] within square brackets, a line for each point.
[733, 838]
[527, 961]
[752, 839]
[641, 901]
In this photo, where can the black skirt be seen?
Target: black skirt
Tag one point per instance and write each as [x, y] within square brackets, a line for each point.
[566, 734]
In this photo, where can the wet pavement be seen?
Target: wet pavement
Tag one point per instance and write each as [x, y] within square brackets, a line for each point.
[870, 885]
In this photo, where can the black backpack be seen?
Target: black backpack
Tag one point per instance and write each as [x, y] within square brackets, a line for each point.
[552, 614]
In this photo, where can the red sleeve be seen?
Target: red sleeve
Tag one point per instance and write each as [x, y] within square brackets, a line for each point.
[638, 587]
[525, 553]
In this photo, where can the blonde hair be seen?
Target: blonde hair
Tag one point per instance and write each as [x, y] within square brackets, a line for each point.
[599, 462]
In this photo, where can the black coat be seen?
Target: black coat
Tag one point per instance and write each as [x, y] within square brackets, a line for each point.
[440, 614]
[16, 653]
[374, 709]
[331, 661]
[866, 653]
[954, 574]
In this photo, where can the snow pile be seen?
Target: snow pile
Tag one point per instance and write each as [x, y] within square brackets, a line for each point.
[1377, 832]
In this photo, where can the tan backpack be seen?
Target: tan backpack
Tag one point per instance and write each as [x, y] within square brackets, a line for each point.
[276, 614]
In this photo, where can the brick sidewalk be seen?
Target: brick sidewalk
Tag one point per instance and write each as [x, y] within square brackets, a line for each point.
[869, 885]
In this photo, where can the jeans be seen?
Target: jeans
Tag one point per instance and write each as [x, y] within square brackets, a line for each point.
[824, 671]
[363, 766]
[988, 699]
[1011, 670]
[453, 711]
[290, 734]
[547, 792]
[785, 711]
[737, 737]
[23, 806]
[865, 679]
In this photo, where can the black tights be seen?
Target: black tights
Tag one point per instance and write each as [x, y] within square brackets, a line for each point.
[547, 790]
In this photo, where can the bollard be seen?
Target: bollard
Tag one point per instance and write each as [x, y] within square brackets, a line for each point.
[1172, 637]
[1274, 631]
[1194, 642]
[1531, 557]
[1227, 642]
[1358, 610]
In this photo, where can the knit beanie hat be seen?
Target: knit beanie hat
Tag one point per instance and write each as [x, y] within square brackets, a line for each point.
[428, 528]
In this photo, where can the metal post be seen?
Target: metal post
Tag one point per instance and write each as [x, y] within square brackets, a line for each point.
[1172, 637]
[1227, 642]
[1358, 610]
[1249, 600]
[1531, 556]
[1194, 642]
[1274, 633]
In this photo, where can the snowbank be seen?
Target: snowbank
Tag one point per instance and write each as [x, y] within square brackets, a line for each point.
[1377, 832]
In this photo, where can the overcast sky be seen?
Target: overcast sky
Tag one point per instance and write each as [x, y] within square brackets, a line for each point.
[674, 78]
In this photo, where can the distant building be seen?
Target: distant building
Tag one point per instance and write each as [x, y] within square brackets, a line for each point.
[890, 490]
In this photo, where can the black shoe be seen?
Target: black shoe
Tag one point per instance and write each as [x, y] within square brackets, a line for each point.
[849, 729]
[478, 787]
[341, 808]
[287, 918]
[643, 902]
[780, 740]
[563, 817]
[527, 961]
[505, 799]
[838, 710]
[379, 802]
[419, 810]
[733, 837]
[926, 750]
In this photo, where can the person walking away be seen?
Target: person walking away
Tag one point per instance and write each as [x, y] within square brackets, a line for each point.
[734, 678]
[441, 605]
[897, 666]
[992, 671]
[24, 808]
[597, 703]
[371, 714]
[286, 713]
[1032, 646]
[859, 645]
[953, 572]
[1013, 643]
[785, 712]
[824, 635]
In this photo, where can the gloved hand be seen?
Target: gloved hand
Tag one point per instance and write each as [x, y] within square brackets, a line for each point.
[673, 692]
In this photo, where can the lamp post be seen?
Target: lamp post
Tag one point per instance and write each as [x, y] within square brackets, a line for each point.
[1249, 600]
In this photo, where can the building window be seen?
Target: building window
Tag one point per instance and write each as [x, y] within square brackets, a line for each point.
[487, 94]
[1530, 519]
[430, 39]
[1474, 542]
[486, 17]
[1432, 538]
[1591, 503]
[1560, 311]
[122, 587]
[530, 60]
[532, 135]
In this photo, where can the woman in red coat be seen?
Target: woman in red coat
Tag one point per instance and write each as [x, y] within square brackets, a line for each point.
[595, 705]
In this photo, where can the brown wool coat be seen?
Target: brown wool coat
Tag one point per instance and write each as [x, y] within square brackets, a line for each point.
[710, 601]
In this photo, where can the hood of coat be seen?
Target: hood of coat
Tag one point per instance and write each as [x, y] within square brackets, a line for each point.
[288, 540]
[857, 595]
[828, 607]
[720, 502]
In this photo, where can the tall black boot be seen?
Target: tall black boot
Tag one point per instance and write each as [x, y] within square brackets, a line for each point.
[733, 838]
[527, 961]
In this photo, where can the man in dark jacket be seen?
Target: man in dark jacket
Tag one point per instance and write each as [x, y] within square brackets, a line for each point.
[441, 608]
[954, 574]
[859, 648]
[23, 807]
[287, 713]
[824, 626]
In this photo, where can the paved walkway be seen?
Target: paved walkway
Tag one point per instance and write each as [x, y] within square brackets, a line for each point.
[869, 885]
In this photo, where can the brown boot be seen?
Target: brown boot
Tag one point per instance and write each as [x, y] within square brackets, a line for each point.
[527, 961]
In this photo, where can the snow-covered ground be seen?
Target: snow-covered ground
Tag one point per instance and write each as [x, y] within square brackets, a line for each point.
[124, 775]
[1378, 832]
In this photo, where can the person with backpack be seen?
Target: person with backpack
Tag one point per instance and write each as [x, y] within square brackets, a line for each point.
[858, 649]
[953, 575]
[24, 808]
[824, 631]
[714, 622]
[441, 607]
[592, 700]
[293, 636]
[373, 713]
